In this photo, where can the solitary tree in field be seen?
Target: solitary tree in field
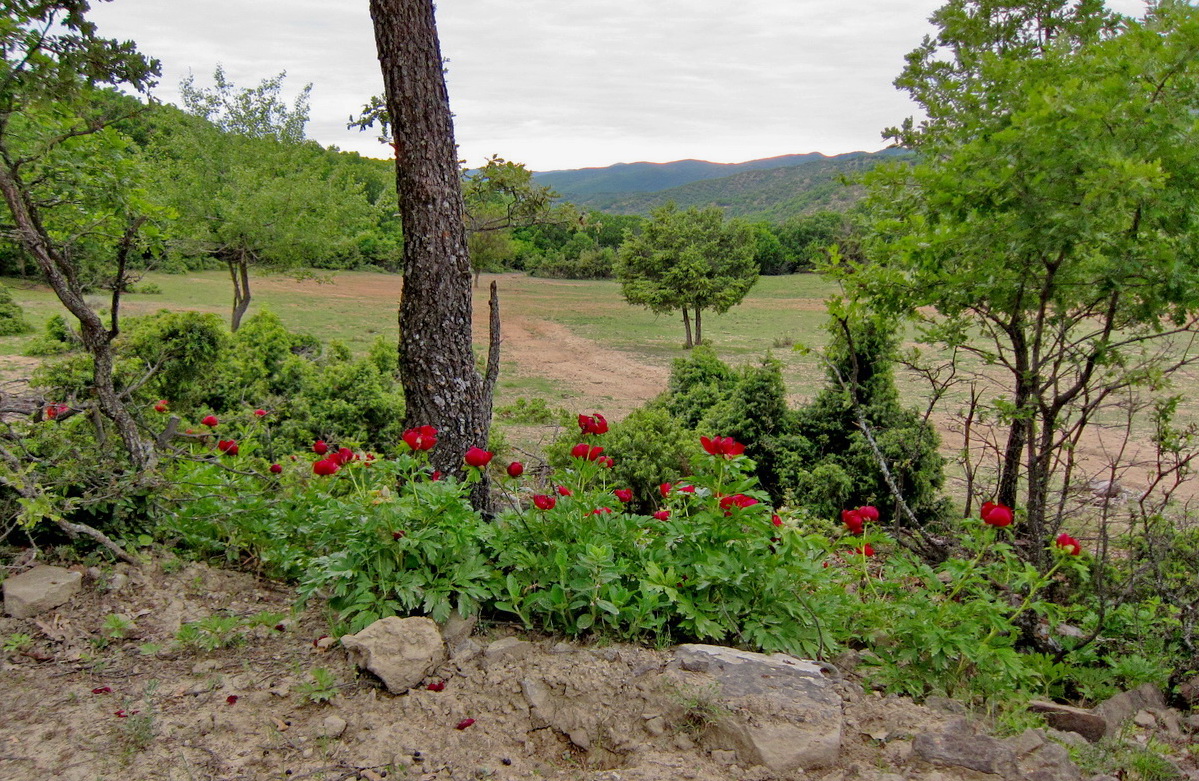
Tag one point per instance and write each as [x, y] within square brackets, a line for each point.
[690, 261]
[442, 387]
[1050, 222]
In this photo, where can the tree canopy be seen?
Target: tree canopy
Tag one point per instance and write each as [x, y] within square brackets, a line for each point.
[1051, 211]
[688, 260]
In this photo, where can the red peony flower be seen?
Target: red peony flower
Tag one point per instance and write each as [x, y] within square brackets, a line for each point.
[161, 406]
[601, 511]
[464, 723]
[593, 424]
[580, 450]
[726, 447]
[477, 457]
[543, 502]
[623, 494]
[210, 420]
[276, 469]
[436, 686]
[853, 521]
[342, 457]
[664, 489]
[1068, 544]
[662, 515]
[435, 476]
[605, 461]
[563, 491]
[421, 438]
[737, 500]
[325, 467]
[685, 489]
[865, 550]
[516, 469]
[228, 447]
[320, 447]
[777, 521]
[260, 413]
[995, 514]
[868, 512]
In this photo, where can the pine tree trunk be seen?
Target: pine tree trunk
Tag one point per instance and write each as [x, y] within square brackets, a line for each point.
[442, 388]
[699, 327]
[687, 326]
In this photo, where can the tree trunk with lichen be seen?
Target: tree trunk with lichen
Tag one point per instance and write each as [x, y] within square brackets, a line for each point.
[442, 387]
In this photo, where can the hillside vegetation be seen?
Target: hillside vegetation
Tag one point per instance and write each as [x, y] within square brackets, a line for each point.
[774, 190]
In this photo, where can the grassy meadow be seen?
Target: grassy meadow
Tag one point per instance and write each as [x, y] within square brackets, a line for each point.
[357, 307]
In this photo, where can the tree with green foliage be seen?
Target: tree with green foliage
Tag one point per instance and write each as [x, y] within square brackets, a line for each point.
[500, 197]
[66, 174]
[688, 260]
[249, 191]
[1049, 221]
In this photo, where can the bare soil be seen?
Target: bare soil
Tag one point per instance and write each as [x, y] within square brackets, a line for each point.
[82, 703]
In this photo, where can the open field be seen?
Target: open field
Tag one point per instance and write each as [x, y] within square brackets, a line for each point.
[574, 343]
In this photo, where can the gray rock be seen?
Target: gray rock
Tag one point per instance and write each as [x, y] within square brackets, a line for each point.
[456, 629]
[784, 712]
[1039, 759]
[118, 582]
[1124, 706]
[656, 726]
[723, 757]
[1144, 719]
[1089, 724]
[507, 650]
[39, 589]
[960, 746]
[465, 650]
[945, 705]
[401, 651]
[333, 727]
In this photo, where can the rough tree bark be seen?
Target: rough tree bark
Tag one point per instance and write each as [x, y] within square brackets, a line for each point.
[442, 387]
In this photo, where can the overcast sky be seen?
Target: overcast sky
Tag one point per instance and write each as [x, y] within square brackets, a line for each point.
[574, 83]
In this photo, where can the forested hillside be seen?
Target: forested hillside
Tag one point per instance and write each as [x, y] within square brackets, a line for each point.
[774, 190]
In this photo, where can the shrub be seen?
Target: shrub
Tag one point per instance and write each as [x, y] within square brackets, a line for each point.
[12, 317]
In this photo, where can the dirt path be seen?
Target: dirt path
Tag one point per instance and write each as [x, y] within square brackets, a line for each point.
[604, 379]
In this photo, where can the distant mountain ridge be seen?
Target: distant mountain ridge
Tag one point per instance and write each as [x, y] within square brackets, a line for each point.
[775, 188]
[651, 177]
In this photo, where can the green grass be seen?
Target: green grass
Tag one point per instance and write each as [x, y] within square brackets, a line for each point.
[358, 307]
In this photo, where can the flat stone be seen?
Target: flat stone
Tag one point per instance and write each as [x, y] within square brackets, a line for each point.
[401, 651]
[783, 712]
[1089, 724]
[40, 589]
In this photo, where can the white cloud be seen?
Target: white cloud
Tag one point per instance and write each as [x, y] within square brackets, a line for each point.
[571, 84]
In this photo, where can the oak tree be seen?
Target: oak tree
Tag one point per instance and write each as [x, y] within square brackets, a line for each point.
[1047, 229]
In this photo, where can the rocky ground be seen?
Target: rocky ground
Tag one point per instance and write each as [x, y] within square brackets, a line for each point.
[183, 671]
